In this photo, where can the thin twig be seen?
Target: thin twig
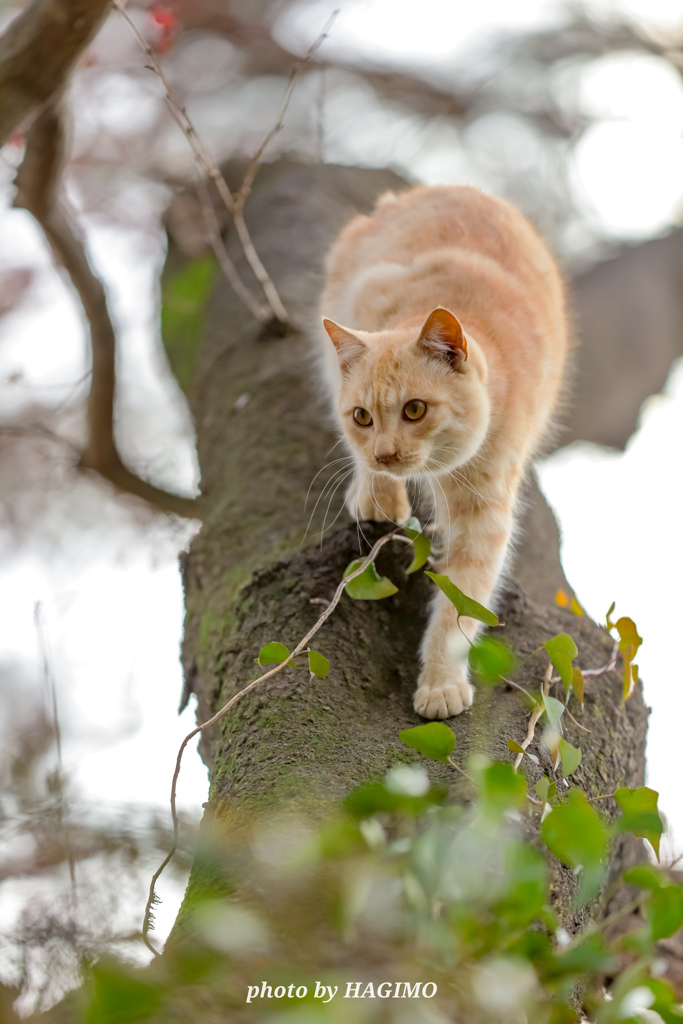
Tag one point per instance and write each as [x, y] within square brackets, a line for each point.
[215, 240]
[578, 724]
[37, 182]
[210, 168]
[515, 686]
[593, 673]
[152, 899]
[44, 647]
[297, 70]
[454, 764]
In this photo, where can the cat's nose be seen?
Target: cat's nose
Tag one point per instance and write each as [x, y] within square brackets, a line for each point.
[386, 455]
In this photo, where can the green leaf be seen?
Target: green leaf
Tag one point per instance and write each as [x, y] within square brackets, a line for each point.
[490, 659]
[422, 545]
[562, 650]
[464, 605]
[664, 911]
[575, 834]
[318, 665]
[501, 788]
[273, 654]
[121, 994]
[546, 789]
[434, 740]
[517, 748]
[589, 957]
[183, 299]
[369, 586]
[553, 709]
[640, 814]
[645, 876]
[571, 757]
[375, 798]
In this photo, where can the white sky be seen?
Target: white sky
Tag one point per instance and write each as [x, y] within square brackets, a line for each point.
[115, 615]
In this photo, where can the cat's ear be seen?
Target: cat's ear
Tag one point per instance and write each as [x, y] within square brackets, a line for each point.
[349, 347]
[442, 336]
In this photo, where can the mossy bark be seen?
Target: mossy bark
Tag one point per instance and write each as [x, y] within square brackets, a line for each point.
[254, 574]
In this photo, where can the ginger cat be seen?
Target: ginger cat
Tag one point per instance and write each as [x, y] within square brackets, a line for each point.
[446, 372]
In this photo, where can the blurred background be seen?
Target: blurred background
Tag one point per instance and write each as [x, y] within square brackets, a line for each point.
[573, 112]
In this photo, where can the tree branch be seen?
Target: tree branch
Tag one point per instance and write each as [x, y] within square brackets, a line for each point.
[38, 53]
[37, 191]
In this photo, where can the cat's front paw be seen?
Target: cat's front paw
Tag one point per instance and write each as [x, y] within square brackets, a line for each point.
[443, 699]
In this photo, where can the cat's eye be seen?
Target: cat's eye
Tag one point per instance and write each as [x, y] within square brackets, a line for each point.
[362, 417]
[414, 410]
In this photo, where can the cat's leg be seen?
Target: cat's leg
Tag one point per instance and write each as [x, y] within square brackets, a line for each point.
[474, 561]
[378, 497]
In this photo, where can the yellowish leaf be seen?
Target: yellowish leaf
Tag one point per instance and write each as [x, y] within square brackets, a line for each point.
[577, 683]
[552, 742]
[575, 607]
[628, 634]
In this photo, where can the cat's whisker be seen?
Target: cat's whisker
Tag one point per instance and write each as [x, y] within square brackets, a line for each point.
[446, 505]
[332, 494]
[333, 478]
[327, 465]
[459, 478]
[341, 509]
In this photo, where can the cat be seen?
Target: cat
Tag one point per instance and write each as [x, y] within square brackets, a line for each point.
[447, 371]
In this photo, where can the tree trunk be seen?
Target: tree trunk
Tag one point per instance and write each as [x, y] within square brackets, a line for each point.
[254, 575]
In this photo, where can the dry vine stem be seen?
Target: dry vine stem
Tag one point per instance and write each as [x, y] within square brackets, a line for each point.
[210, 168]
[152, 899]
[535, 716]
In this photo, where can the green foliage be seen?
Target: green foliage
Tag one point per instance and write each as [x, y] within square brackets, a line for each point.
[570, 756]
[500, 788]
[182, 315]
[465, 605]
[665, 911]
[120, 995]
[460, 891]
[554, 709]
[562, 650]
[640, 814]
[578, 837]
[318, 665]
[491, 659]
[369, 586]
[422, 545]
[435, 740]
[546, 789]
[273, 654]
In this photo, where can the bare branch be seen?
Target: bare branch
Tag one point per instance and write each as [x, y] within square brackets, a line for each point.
[215, 240]
[297, 71]
[209, 166]
[38, 53]
[37, 183]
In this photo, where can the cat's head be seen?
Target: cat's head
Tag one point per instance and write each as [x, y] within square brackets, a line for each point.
[413, 398]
